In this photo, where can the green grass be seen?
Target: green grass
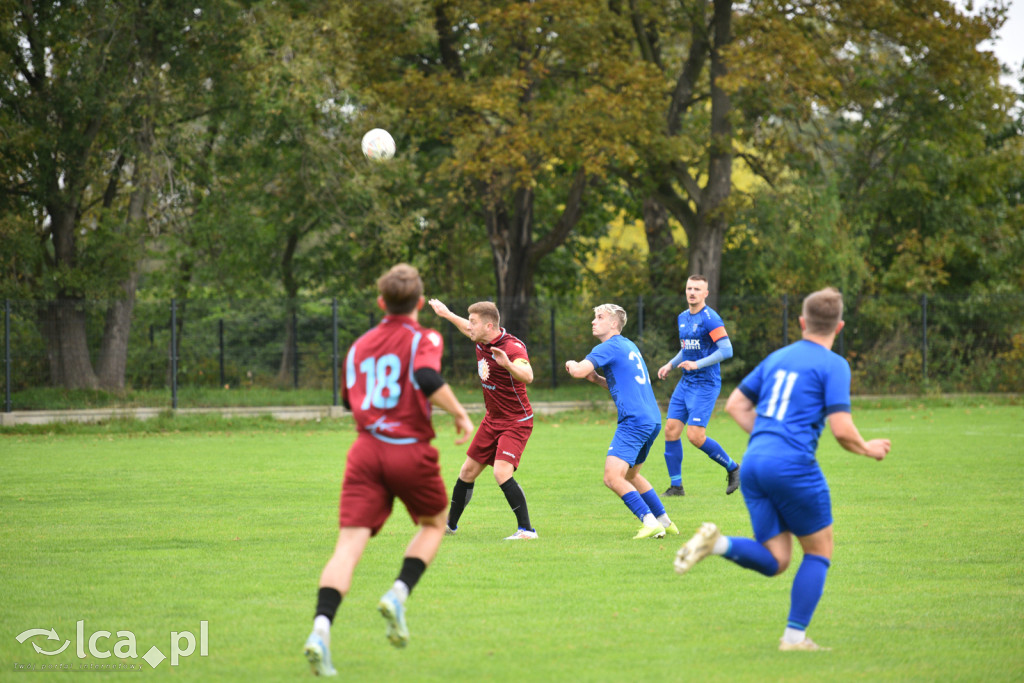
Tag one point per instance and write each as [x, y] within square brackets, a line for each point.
[153, 529]
[55, 398]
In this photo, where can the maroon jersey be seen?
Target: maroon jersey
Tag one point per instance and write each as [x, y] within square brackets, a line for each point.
[386, 401]
[504, 397]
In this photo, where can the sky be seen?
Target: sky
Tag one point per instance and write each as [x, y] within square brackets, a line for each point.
[1009, 43]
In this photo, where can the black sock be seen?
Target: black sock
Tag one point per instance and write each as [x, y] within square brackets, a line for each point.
[412, 570]
[461, 495]
[517, 501]
[327, 603]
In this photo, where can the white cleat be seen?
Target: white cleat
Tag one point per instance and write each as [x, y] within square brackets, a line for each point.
[319, 656]
[522, 535]
[805, 645]
[697, 548]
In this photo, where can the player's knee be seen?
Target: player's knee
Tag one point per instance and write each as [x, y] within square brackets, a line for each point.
[673, 430]
[696, 437]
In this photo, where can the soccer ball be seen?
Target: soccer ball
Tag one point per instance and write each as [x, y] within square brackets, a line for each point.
[378, 145]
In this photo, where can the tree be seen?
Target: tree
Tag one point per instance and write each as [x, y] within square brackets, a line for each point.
[508, 105]
[750, 83]
[89, 91]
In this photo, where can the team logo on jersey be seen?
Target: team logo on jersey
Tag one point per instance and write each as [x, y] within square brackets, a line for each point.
[483, 369]
[434, 338]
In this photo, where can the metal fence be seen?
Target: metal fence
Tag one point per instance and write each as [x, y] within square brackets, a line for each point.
[906, 344]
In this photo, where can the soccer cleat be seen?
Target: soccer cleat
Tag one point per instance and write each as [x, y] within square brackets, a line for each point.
[732, 480]
[674, 491]
[448, 531]
[806, 645]
[393, 610]
[672, 528]
[650, 532]
[319, 656]
[697, 548]
[522, 535]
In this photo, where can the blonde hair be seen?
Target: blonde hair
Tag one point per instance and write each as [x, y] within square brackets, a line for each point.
[617, 312]
[487, 311]
[401, 289]
[823, 310]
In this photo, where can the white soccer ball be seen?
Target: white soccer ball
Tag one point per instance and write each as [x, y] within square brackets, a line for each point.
[378, 145]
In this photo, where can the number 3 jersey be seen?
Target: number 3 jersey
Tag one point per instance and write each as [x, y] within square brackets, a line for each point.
[386, 400]
[622, 365]
[795, 389]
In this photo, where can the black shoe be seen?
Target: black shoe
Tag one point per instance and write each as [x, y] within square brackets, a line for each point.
[732, 480]
[674, 491]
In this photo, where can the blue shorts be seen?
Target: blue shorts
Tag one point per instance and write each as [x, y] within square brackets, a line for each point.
[632, 442]
[784, 495]
[693, 404]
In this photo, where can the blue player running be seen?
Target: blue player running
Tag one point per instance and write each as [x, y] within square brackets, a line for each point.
[703, 345]
[626, 378]
[783, 405]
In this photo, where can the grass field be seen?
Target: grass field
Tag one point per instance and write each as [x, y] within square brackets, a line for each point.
[153, 529]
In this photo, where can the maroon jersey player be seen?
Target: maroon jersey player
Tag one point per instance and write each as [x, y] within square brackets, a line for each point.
[392, 378]
[505, 370]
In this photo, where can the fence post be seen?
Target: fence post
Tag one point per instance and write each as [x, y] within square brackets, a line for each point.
[785, 319]
[295, 346]
[7, 355]
[554, 362]
[220, 341]
[174, 354]
[334, 351]
[924, 337]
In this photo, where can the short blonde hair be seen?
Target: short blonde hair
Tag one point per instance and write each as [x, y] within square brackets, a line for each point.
[615, 311]
[487, 312]
[823, 310]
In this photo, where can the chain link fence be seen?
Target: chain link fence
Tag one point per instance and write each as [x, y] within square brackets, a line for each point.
[911, 344]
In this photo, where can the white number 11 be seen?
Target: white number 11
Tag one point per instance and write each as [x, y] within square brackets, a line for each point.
[780, 376]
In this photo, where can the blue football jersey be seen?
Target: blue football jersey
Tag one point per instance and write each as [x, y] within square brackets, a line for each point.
[795, 389]
[698, 333]
[622, 365]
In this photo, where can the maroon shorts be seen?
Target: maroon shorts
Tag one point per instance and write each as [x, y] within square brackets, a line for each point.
[505, 441]
[377, 472]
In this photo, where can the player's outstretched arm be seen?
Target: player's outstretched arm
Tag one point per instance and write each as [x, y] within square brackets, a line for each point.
[442, 311]
[444, 398]
[742, 409]
[849, 437]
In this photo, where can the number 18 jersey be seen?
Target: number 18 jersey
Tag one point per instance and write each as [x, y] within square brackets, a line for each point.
[386, 400]
[795, 389]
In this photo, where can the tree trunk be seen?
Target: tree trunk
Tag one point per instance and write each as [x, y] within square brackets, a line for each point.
[511, 238]
[113, 359]
[67, 344]
[666, 264]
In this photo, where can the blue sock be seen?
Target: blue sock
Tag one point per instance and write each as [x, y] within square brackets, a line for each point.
[636, 504]
[808, 585]
[749, 554]
[718, 454]
[674, 461]
[654, 503]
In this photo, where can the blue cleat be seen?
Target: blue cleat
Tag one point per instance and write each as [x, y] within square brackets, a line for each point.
[319, 656]
[393, 610]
